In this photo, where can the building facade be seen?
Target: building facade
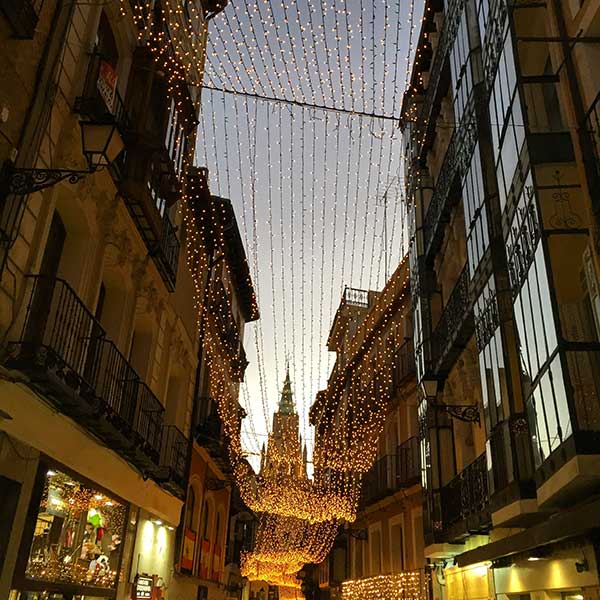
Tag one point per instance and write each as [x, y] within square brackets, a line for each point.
[500, 126]
[113, 467]
[380, 554]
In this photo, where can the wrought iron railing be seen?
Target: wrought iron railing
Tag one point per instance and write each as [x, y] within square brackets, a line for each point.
[356, 297]
[174, 454]
[456, 161]
[149, 419]
[456, 310]
[465, 499]
[115, 382]
[408, 462]
[63, 344]
[209, 424]
[392, 472]
[166, 252]
[447, 36]
[106, 105]
[403, 365]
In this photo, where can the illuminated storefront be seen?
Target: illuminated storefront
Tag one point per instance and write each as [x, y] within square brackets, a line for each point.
[73, 543]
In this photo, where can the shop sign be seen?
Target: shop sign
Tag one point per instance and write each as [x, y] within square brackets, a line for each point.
[107, 84]
[143, 587]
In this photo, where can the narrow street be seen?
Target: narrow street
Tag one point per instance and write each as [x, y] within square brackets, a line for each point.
[299, 300]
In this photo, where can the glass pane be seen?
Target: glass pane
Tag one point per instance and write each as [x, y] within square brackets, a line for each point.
[78, 534]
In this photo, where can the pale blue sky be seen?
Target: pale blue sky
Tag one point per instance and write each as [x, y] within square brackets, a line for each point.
[308, 185]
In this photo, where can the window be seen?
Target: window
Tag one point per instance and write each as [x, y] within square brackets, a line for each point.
[78, 534]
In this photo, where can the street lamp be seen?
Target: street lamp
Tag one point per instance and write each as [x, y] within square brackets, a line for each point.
[101, 144]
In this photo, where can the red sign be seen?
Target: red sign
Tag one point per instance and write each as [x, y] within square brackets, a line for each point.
[205, 566]
[107, 84]
[189, 547]
[216, 564]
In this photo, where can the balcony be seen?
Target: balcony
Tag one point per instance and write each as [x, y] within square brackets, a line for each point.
[356, 297]
[209, 434]
[22, 15]
[465, 502]
[403, 366]
[392, 473]
[439, 75]
[100, 100]
[146, 201]
[447, 188]
[455, 326]
[69, 360]
[173, 461]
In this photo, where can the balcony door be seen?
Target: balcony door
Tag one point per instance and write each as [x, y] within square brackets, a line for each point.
[41, 301]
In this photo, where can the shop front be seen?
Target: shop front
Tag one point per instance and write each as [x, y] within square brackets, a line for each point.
[151, 570]
[72, 543]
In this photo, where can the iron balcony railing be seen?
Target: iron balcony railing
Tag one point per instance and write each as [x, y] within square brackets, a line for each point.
[465, 501]
[456, 162]
[209, 424]
[392, 472]
[403, 365]
[166, 252]
[456, 324]
[209, 433]
[100, 99]
[173, 458]
[446, 40]
[22, 15]
[356, 297]
[67, 354]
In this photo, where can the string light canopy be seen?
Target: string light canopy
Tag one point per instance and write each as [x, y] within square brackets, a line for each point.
[298, 128]
[409, 585]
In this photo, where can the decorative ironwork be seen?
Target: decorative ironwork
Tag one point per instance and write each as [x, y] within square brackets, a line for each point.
[469, 413]
[21, 182]
[63, 343]
[525, 238]
[456, 162]
[563, 217]
[467, 495]
[449, 31]
[487, 320]
[493, 44]
[455, 312]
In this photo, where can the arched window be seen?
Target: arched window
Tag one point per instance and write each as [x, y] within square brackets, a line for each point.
[205, 520]
[106, 45]
[189, 509]
[217, 528]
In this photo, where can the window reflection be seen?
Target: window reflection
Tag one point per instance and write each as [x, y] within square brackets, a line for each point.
[78, 534]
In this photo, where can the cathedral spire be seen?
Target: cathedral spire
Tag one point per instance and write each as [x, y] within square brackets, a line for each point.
[286, 402]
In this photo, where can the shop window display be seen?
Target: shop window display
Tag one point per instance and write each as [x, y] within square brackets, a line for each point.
[78, 535]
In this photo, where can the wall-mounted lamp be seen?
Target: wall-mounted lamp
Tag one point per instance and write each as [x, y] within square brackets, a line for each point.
[101, 144]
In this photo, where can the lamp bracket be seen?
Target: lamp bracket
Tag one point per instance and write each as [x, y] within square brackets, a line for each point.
[469, 413]
[21, 182]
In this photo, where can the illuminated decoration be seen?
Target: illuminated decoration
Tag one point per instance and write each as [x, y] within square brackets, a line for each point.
[300, 516]
[409, 585]
[91, 525]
